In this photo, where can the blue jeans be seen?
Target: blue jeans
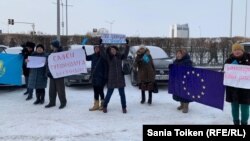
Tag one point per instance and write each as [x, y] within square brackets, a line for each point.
[109, 94]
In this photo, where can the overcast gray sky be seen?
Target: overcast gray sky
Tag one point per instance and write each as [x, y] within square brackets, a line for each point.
[146, 18]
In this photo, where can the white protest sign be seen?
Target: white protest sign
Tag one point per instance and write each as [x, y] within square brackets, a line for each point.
[237, 76]
[35, 62]
[113, 38]
[67, 63]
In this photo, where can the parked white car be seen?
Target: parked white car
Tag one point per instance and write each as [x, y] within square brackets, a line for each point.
[12, 50]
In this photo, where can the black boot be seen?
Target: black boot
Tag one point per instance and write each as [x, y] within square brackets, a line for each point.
[27, 92]
[50, 105]
[142, 96]
[37, 98]
[149, 97]
[62, 106]
[29, 96]
[42, 95]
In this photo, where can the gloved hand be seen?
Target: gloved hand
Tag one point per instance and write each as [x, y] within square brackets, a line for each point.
[83, 47]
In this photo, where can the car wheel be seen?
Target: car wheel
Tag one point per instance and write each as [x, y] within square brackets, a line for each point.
[133, 80]
[67, 83]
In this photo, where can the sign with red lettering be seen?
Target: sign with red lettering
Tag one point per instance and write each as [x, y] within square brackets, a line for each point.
[67, 63]
[237, 76]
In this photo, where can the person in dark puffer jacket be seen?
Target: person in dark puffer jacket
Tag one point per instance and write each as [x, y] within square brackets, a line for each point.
[98, 76]
[238, 97]
[116, 77]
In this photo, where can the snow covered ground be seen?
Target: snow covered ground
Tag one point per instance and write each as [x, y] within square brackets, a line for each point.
[20, 120]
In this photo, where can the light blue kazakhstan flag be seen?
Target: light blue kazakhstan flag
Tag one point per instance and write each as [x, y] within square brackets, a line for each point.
[11, 69]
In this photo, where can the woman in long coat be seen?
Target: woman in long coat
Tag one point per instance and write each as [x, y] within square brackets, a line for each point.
[146, 73]
[116, 77]
[38, 76]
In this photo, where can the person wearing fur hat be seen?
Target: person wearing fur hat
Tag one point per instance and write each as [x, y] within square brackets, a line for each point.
[146, 72]
[38, 76]
[56, 85]
[28, 49]
[238, 97]
[98, 76]
[116, 77]
[182, 58]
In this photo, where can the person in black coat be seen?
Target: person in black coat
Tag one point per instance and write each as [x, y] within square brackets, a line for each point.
[238, 97]
[28, 49]
[56, 85]
[182, 58]
[98, 76]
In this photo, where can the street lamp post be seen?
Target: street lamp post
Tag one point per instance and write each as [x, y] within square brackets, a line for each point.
[110, 23]
[58, 20]
[231, 20]
[246, 22]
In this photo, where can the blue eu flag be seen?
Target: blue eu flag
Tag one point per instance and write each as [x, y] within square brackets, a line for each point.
[11, 69]
[200, 85]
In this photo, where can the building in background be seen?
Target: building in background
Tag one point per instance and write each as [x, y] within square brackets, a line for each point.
[179, 31]
[97, 32]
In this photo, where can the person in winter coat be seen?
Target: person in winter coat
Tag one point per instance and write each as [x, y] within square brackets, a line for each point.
[28, 49]
[56, 85]
[238, 97]
[38, 76]
[98, 76]
[182, 58]
[146, 73]
[116, 77]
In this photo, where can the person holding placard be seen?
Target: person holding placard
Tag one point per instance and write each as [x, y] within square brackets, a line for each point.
[116, 77]
[98, 76]
[38, 76]
[56, 85]
[182, 59]
[238, 97]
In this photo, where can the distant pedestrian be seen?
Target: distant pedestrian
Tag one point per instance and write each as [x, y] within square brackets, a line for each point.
[98, 76]
[28, 49]
[56, 85]
[38, 76]
[182, 59]
[116, 77]
[238, 97]
[146, 73]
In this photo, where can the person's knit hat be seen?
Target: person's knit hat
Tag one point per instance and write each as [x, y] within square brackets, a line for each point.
[40, 45]
[30, 44]
[237, 46]
[55, 43]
